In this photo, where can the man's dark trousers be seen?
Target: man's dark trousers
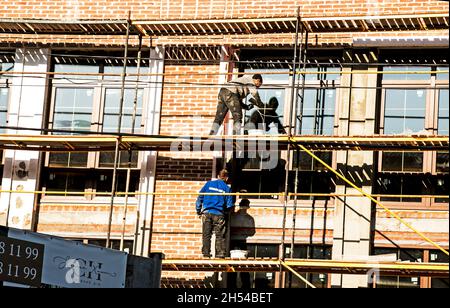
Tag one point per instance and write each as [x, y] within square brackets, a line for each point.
[217, 224]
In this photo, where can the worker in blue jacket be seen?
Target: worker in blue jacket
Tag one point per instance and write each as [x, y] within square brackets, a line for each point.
[214, 210]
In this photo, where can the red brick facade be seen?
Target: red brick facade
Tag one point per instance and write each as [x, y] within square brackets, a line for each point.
[189, 109]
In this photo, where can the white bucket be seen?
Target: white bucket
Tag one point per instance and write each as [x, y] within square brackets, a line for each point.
[238, 254]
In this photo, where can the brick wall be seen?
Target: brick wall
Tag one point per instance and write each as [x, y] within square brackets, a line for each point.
[203, 9]
[188, 9]
[187, 110]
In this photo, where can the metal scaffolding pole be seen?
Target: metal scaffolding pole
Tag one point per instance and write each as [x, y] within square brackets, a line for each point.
[289, 132]
[130, 152]
[298, 110]
[116, 152]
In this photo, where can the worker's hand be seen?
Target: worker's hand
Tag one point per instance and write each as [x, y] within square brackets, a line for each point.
[199, 214]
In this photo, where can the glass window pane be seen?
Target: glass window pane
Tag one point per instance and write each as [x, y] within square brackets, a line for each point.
[406, 76]
[401, 184]
[402, 161]
[404, 111]
[104, 181]
[437, 256]
[73, 108]
[322, 73]
[130, 70]
[112, 110]
[4, 94]
[440, 187]
[6, 67]
[65, 181]
[442, 162]
[443, 116]
[68, 159]
[442, 76]
[275, 76]
[307, 163]
[107, 159]
[318, 112]
[312, 183]
[261, 181]
[82, 69]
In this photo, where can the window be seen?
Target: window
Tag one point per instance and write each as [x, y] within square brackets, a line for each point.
[315, 117]
[437, 256]
[319, 280]
[414, 103]
[4, 94]
[411, 255]
[88, 100]
[131, 122]
[256, 279]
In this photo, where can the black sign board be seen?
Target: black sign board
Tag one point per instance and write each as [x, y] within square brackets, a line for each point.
[21, 261]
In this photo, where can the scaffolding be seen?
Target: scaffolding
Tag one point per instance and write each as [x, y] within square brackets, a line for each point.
[291, 142]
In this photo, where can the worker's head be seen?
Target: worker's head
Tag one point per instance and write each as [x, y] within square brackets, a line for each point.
[223, 175]
[257, 80]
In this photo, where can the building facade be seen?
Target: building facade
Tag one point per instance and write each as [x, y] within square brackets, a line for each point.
[385, 77]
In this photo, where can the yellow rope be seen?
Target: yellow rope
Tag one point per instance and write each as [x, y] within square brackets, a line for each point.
[373, 199]
[332, 195]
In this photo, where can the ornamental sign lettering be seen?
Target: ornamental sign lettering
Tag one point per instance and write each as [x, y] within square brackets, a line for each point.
[66, 264]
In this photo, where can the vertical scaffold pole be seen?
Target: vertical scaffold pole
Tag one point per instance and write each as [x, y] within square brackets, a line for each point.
[130, 152]
[299, 112]
[288, 154]
[116, 152]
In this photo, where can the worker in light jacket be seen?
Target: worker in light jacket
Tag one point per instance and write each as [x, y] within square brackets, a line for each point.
[214, 209]
[230, 98]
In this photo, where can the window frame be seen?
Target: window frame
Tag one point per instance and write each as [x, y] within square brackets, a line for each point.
[431, 86]
[315, 84]
[99, 84]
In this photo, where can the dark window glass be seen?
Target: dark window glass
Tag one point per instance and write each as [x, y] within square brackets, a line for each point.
[103, 180]
[437, 256]
[402, 161]
[319, 280]
[442, 162]
[312, 183]
[440, 186]
[408, 255]
[70, 181]
[308, 163]
[404, 184]
[68, 159]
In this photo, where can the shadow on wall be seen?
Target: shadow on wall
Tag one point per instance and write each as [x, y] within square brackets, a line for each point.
[183, 169]
[244, 228]
[358, 175]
